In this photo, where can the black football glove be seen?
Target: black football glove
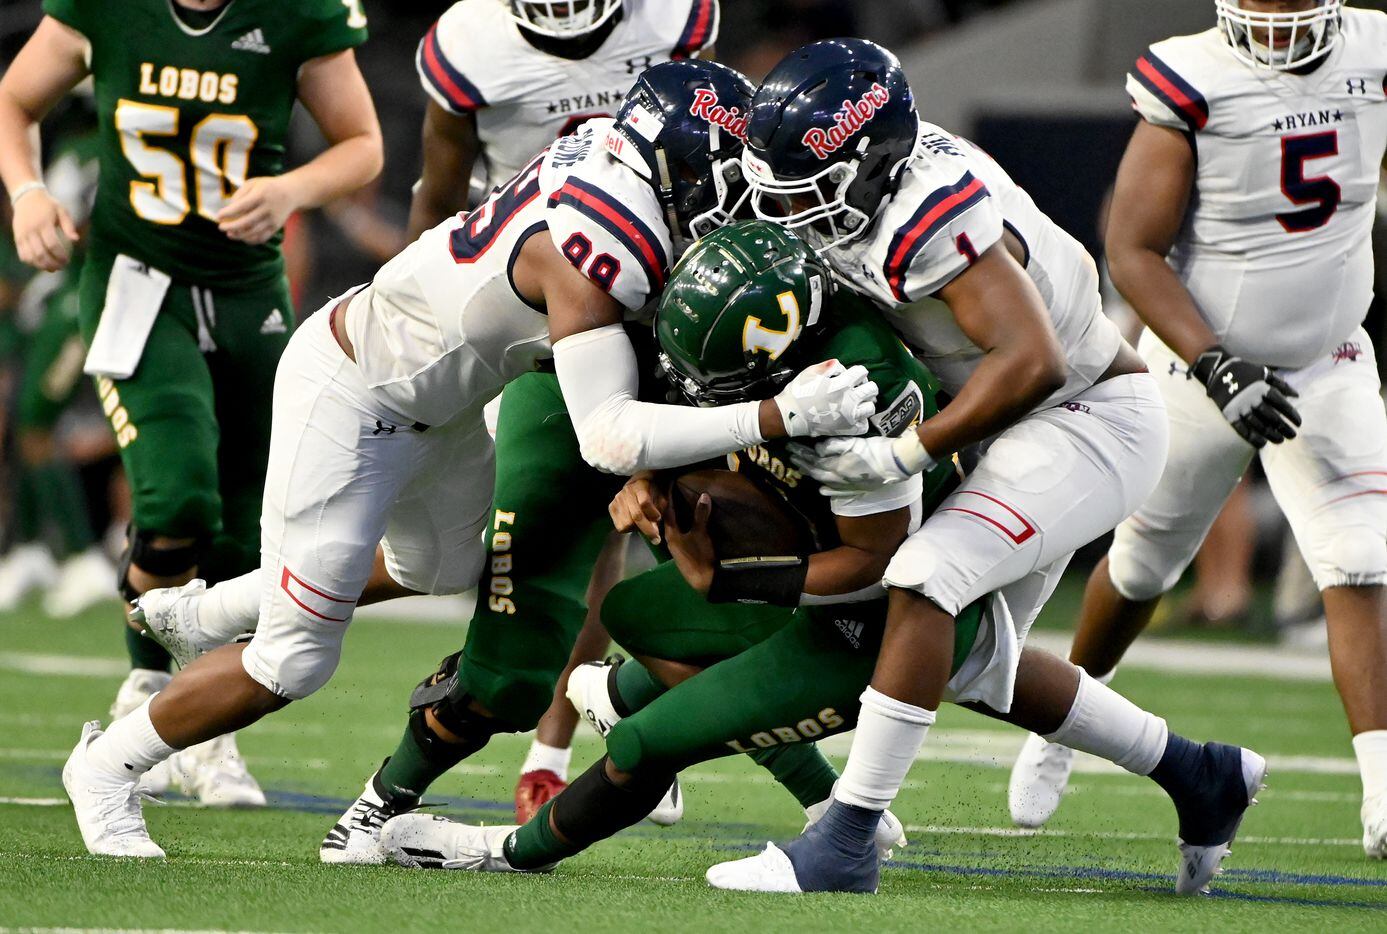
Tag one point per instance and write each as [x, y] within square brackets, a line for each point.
[1253, 398]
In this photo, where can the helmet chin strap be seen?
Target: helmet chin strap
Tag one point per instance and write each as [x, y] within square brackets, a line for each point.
[665, 191]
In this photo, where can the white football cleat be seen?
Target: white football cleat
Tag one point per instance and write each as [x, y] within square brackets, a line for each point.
[590, 695]
[1038, 780]
[168, 615]
[589, 691]
[428, 841]
[138, 687]
[26, 568]
[670, 809]
[1374, 814]
[355, 839]
[1199, 864]
[215, 774]
[107, 807]
[890, 831]
[83, 581]
[767, 871]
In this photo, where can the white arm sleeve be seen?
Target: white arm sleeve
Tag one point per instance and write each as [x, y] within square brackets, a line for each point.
[619, 434]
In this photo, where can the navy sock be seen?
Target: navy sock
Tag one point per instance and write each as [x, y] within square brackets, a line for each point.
[838, 853]
[1180, 767]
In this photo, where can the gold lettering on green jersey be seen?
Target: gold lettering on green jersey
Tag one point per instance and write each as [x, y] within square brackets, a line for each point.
[777, 468]
[188, 84]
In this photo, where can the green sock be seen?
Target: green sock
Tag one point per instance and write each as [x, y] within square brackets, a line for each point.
[60, 497]
[534, 844]
[144, 652]
[636, 686]
[801, 768]
[419, 760]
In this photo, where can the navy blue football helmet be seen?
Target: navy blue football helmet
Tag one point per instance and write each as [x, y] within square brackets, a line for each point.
[682, 127]
[831, 128]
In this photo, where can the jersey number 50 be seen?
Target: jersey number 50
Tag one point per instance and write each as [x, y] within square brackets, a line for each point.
[1320, 191]
[219, 152]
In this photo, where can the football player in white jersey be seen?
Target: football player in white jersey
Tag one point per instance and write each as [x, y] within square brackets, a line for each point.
[1003, 306]
[1240, 233]
[378, 435]
[507, 77]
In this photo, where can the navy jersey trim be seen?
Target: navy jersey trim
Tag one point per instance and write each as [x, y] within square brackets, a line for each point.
[935, 213]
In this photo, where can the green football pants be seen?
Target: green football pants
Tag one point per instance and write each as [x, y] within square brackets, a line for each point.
[549, 525]
[193, 420]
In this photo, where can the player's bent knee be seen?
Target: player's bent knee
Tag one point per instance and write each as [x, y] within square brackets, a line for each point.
[1354, 557]
[293, 672]
[1137, 578]
[149, 551]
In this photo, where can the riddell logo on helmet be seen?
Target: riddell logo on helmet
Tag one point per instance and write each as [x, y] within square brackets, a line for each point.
[705, 104]
[853, 116]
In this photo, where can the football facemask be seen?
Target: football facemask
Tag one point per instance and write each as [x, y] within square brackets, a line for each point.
[562, 19]
[1279, 41]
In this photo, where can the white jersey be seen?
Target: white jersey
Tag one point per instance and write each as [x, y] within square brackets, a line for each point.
[954, 202]
[474, 60]
[1276, 249]
[441, 327]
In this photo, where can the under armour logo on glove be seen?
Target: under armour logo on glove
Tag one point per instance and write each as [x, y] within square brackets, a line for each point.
[827, 399]
[1254, 399]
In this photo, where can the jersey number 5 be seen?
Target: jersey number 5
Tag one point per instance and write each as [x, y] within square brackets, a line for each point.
[1320, 191]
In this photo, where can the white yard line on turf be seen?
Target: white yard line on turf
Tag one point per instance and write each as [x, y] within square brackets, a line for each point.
[77, 666]
[1203, 658]
[4, 930]
[1117, 835]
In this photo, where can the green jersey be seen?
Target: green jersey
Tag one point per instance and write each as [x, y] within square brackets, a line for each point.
[188, 114]
[854, 333]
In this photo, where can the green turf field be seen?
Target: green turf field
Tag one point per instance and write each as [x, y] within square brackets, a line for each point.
[1105, 863]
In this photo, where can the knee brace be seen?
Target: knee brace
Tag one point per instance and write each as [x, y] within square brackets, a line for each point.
[158, 560]
[1353, 557]
[443, 694]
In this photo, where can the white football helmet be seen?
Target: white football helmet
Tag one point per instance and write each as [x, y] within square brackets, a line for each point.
[562, 19]
[1279, 41]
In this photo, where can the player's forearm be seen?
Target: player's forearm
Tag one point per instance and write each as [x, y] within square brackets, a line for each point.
[1160, 299]
[617, 433]
[843, 571]
[1006, 385]
[339, 170]
[19, 144]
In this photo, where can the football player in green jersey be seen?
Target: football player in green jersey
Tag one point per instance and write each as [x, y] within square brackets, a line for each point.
[183, 301]
[716, 677]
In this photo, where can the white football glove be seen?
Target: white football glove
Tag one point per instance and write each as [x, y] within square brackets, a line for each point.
[856, 465]
[827, 399]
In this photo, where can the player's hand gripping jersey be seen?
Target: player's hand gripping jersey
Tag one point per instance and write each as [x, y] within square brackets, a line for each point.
[1276, 248]
[474, 60]
[187, 115]
[954, 202]
[442, 328]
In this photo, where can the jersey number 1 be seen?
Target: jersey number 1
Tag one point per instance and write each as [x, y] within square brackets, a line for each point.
[1319, 191]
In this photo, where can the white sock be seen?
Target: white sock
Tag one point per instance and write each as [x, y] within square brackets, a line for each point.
[230, 608]
[553, 758]
[889, 734]
[1105, 678]
[1371, 749]
[130, 746]
[1106, 724]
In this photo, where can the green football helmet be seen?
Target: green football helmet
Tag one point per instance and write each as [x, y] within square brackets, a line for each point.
[737, 311]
